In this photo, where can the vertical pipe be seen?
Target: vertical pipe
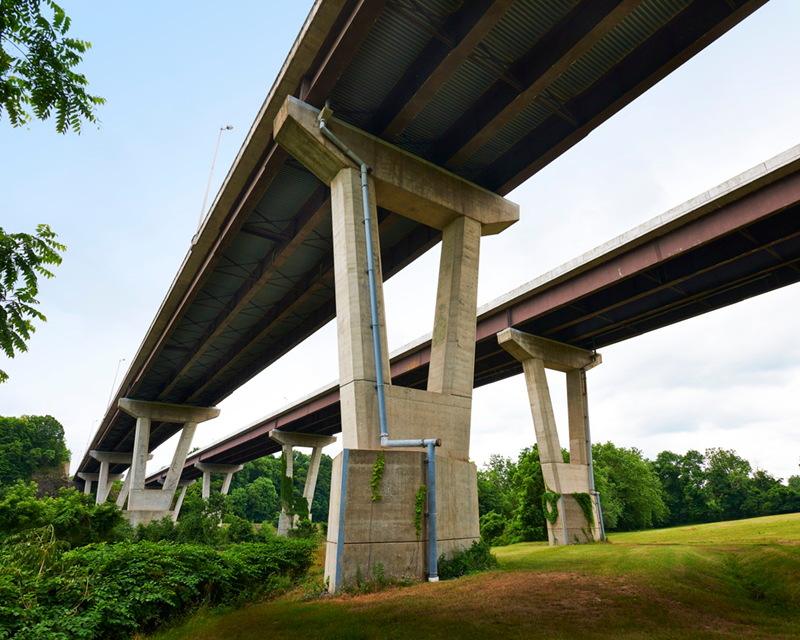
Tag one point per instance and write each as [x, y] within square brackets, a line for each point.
[373, 304]
[433, 568]
[564, 519]
[373, 295]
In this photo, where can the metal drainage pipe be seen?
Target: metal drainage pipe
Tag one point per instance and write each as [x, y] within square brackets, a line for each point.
[429, 443]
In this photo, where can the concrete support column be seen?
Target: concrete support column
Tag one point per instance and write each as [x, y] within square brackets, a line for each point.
[103, 485]
[206, 485]
[357, 373]
[213, 467]
[145, 505]
[91, 478]
[288, 442]
[578, 518]
[311, 477]
[285, 522]
[452, 367]
[184, 485]
[226, 483]
[123, 494]
[141, 447]
[362, 531]
[179, 458]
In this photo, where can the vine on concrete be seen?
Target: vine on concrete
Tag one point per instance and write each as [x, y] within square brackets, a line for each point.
[550, 503]
[584, 501]
[377, 475]
[292, 504]
[287, 487]
[419, 508]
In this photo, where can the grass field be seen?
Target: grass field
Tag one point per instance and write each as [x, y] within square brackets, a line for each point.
[724, 580]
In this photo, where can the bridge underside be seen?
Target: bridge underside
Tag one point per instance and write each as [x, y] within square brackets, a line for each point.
[490, 90]
[734, 242]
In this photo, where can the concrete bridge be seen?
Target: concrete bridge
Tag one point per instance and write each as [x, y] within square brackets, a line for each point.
[437, 113]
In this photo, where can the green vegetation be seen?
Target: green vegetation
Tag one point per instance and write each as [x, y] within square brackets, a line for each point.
[111, 591]
[660, 589]
[477, 558]
[23, 257]
[419, 508]
[28, 444]
[73, 569]
[377, 476]
[635, 493]
[37, 66]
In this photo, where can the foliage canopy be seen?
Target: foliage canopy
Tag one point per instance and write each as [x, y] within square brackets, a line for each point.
[37, 66]
[23, 258]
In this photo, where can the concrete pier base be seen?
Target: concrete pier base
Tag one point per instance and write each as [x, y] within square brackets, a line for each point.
[363, 532]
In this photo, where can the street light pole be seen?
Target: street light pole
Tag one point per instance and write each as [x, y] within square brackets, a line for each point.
[211, 174]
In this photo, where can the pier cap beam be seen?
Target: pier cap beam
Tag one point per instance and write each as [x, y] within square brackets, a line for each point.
[165, 412]
[404, 183]
[290, 439]
[213, 467]
[555, 355]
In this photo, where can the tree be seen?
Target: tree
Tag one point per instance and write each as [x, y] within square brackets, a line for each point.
[37, 62]
[27, 444]
[729, 482]
[23, 257]
[630, 490]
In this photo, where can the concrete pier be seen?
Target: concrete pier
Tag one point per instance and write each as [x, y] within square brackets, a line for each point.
[364, 530]
[288, 442]
[211, 467]
[145, 505]
[578, 518]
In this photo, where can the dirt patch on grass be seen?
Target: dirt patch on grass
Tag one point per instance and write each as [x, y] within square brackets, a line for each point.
[551, 603]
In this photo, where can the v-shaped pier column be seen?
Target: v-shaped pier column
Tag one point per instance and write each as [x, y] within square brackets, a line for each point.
[573, 512]
[145, 505]
[288, 442]
[373, 491]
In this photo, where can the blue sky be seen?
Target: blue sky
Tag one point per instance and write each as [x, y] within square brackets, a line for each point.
[126, 199]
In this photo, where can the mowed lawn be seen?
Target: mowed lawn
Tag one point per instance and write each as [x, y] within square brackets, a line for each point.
[723, 580]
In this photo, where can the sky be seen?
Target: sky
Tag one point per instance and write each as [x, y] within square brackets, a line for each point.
[126, 200]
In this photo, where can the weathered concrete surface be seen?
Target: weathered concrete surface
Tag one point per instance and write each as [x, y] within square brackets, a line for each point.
[567, 479]
[383, 531]
[145, 505]
[361, 531]
[405, 184]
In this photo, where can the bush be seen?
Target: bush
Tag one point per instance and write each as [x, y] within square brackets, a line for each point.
[492, 527]
[473, 560]
[110, 591]
[75, 518]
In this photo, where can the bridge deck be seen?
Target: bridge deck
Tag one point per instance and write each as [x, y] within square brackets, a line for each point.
[492, 90]
[733, 242]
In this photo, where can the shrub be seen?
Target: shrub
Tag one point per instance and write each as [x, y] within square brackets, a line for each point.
[477, 558]
[110, 591]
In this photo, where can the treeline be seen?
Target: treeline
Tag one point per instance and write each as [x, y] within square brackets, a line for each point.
[635, 493]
